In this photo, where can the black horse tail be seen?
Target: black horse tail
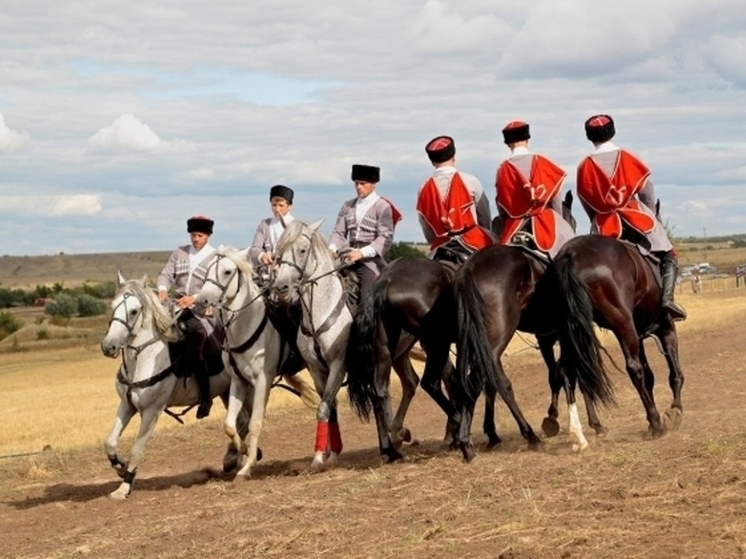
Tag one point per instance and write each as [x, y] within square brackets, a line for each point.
[580, 348]
[361, 356]
[475, 364]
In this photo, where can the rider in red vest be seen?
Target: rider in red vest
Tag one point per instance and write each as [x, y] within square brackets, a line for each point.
[616, 192]
[528, 194]
[453, 209]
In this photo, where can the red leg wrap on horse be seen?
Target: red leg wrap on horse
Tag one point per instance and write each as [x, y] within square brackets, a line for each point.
[335, 438]
[322, 436]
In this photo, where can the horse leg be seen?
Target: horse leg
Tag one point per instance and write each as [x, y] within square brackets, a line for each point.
[262, 386]
[409, 381]
[670, 343]
[381, 404]
[232, 455]
[550, 425]
[489, 418]
[593, 420]
[148, 420]
[333, 384]
[125, 412]
[236, 399]
[508, 397]
[436, 367]
[630, 344]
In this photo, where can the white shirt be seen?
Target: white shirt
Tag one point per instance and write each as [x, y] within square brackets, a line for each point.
[605, 147]
[195, 257]
[276, 228]
[520, 150]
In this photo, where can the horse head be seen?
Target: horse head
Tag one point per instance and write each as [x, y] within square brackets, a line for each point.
[302, 254]
[135, 308]
[224, 277]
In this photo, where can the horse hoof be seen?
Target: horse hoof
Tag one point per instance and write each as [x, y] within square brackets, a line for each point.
[406, 435]
[657, 432]
[468, 452]
[259, 454]
[550, 426]
[534, 443]
[393, 456]
[119, 494]
[672, 418]
[600, 430]
[493, 441]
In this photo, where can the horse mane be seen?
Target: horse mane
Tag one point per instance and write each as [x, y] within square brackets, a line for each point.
[241, 263]
[163, 323]
[294, 230]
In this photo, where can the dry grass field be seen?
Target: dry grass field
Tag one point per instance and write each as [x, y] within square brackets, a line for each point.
[627, 496]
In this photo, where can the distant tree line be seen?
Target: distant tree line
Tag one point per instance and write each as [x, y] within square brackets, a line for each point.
[58, 300]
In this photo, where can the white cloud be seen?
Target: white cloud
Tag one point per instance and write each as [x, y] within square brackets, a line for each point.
[128, 133]
[11, 140]
[78, 204]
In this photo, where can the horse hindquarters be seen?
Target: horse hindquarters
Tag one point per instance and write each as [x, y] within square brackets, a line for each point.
[580, 347]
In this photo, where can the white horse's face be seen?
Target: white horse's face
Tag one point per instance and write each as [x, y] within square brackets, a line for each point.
[125, 322]
[296, 263]
[221, 282]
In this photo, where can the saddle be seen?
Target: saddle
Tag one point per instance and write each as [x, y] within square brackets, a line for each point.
[286, 319]
[525, 241]
[451, 256]
[651, 259]
[212, 349]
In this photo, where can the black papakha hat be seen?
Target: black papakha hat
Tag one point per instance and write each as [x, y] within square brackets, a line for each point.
[441, 149]
[200, 224]
[282, 191]
[366, 173]
[516, 131]
[599, 128]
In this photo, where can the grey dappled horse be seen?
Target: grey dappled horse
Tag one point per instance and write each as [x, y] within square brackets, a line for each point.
[141, 328]
[252, 352]
[307, 270]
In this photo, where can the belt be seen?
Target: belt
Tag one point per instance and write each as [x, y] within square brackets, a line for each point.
[358, 244]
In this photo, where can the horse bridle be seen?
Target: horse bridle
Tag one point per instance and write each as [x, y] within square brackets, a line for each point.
[130, 328]
[224, 289]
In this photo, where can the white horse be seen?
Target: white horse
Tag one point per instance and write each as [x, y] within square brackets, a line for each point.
[252, 350]
[142, 329]
[307, 269]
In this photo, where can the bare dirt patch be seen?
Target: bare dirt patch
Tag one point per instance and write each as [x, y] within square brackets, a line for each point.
[627, 496]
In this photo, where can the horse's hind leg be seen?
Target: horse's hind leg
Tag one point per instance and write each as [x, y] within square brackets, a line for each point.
[505, 388]
[550, 425]
[630, 344]
[488, 425]
[125, 412]
[409, 381]
[149, 417]
[670, 343]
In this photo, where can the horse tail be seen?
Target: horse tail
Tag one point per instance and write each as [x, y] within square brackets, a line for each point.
[305, 390]
[361, 355]
[580, 347]
[475, 364]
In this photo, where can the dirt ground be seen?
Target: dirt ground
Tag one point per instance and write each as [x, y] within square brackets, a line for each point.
[626, 496]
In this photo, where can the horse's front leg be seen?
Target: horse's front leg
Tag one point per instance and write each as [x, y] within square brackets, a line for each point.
[149, 418]
[328, 435]
[236, 399]
[125, 412]
[262, 386]
[409, 381]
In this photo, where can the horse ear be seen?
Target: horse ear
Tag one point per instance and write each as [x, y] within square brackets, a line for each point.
[221, 247]
[315, 226]
[144, 280]
[568, 200]
[244, 254]
[120, 278]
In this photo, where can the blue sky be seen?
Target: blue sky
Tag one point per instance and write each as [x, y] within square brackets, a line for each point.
[119, 120]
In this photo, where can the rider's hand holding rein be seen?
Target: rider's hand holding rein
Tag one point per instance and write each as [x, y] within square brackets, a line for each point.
[354, 256]
[185, 302]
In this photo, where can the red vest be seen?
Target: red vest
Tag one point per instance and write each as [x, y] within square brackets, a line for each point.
[612, 197]
[452, 216]
[529, 199]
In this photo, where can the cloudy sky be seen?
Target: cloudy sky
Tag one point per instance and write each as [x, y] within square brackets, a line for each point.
[118, 120]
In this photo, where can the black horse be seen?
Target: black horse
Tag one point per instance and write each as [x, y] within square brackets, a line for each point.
[410, 301]
[601, 279]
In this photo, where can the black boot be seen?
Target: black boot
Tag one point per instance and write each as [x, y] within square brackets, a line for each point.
[669, 270]
[202, 376]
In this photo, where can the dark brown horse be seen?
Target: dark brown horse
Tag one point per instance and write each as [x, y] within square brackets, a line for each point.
[601, 279]
[498, 292]
[410, 301]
